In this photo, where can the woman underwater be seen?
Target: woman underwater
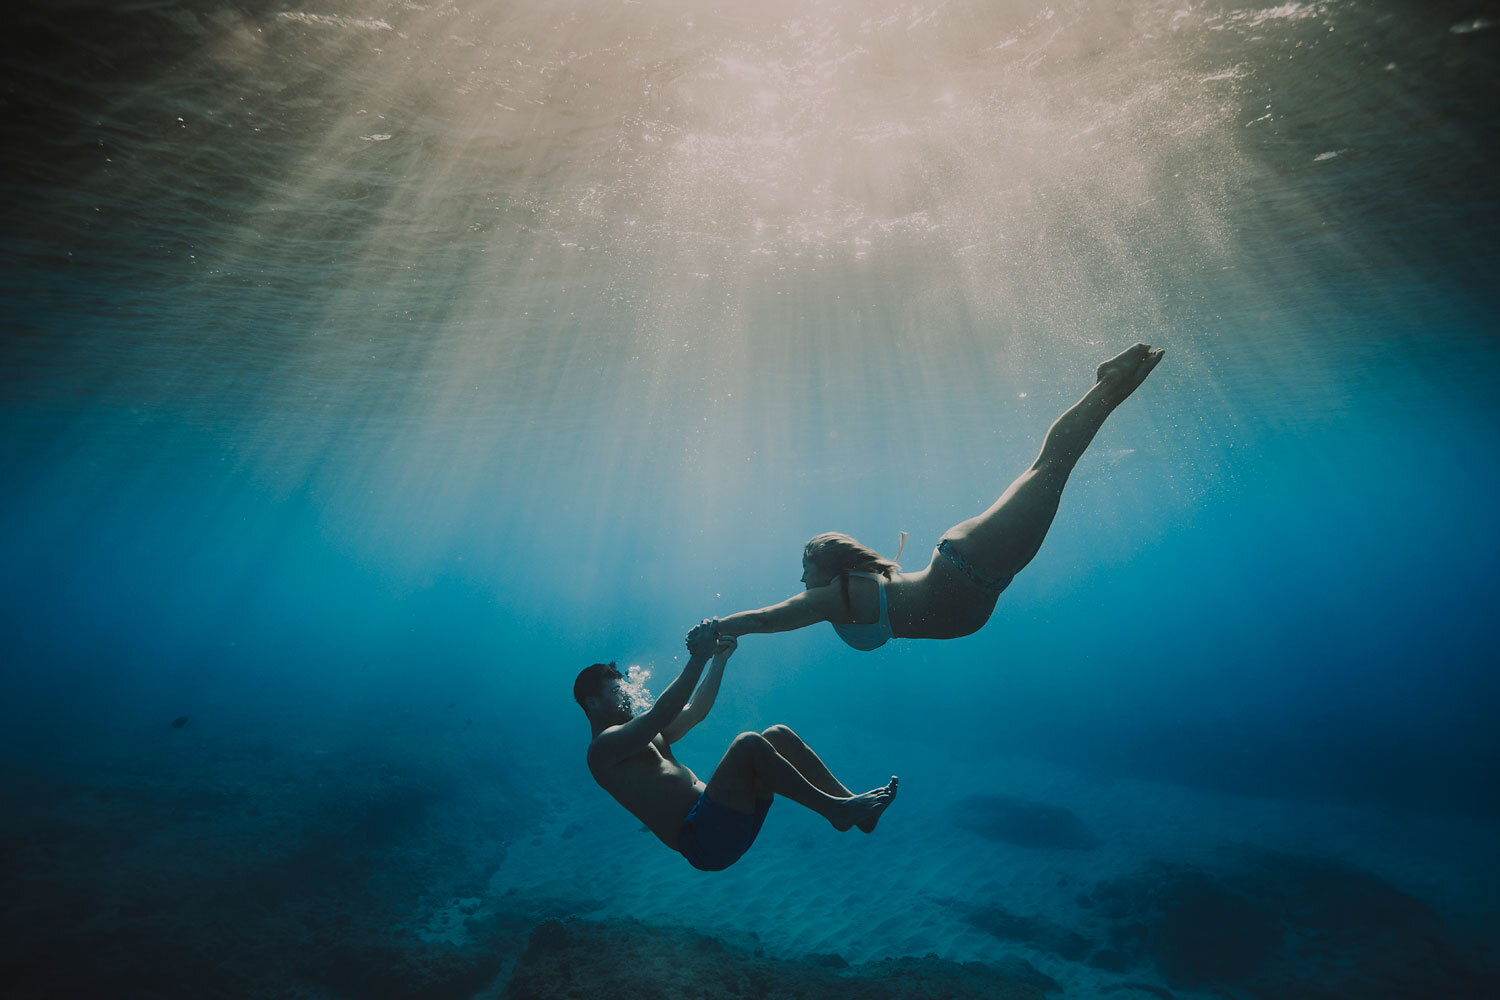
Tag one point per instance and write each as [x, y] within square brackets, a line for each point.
[868, 600]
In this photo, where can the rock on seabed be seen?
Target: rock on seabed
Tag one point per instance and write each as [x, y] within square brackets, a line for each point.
[628, 959]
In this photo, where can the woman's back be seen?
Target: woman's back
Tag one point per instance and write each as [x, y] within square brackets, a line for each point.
[935, 603]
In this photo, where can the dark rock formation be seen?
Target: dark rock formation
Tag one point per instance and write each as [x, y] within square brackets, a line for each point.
[398, 968]
[1275, 927]
[1140, 988]
[1032, 931]
[1207, 933]
[627, 960]
[162, 880]
[1023, 822]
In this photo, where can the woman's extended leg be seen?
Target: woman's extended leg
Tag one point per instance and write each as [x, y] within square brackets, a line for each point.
[753, 769]
[1002, 540]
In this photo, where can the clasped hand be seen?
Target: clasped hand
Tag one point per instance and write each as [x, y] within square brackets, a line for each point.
[704, 638]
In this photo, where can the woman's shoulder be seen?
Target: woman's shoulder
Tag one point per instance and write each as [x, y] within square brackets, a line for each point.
[905, 577]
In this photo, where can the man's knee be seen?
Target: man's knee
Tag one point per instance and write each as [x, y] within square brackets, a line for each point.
[778, 732]
[749, 744]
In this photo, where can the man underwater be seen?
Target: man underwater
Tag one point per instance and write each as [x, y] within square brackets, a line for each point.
[710, 825]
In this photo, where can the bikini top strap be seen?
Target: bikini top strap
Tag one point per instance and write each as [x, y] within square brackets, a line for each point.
[844, 581]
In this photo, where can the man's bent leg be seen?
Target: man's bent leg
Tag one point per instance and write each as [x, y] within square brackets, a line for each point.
[801, 756]
[811, 766]
[752, 770]
[752, 767]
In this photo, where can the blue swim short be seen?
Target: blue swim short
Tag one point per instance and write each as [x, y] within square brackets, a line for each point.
[713, 836]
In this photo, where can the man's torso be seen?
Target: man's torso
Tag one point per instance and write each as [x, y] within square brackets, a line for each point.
[654, 787]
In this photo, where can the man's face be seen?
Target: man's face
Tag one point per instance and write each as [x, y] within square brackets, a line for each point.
[614, 700]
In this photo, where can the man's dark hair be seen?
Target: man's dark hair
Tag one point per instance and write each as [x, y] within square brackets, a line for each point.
[591, 679]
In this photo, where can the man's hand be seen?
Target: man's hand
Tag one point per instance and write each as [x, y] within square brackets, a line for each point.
[727, 645]
[702, 639]
[665, 717]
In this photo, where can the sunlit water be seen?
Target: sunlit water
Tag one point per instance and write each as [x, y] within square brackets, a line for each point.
[368, 370]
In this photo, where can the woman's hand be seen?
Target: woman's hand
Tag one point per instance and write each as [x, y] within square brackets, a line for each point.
[727, 645]
[702, 638]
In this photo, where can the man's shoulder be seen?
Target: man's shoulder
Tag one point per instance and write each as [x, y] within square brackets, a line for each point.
[604, 752]
[604, 757]
[595, 754]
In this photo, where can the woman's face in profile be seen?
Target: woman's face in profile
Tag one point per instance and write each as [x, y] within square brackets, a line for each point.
[814, 576]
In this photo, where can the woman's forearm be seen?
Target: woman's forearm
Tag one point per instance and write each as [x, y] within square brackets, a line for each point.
[742, 623]
[800, 611]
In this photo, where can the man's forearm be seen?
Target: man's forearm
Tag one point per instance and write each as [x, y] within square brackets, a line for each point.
[708, 689]
[679, 691]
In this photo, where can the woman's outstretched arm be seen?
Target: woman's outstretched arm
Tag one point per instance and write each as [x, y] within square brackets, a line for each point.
[820, 604]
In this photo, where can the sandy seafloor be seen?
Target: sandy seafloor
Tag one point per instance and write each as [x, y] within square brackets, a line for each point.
[194, 862]
[907, 889]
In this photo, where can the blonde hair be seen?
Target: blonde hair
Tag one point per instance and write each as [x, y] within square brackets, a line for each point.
[837, 554]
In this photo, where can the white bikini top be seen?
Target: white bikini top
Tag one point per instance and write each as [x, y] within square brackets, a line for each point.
[875, 634]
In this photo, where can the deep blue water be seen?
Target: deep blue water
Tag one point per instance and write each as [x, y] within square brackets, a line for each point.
[369, 370]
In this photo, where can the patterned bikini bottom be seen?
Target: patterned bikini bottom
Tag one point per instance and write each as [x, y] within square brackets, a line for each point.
[967, 569]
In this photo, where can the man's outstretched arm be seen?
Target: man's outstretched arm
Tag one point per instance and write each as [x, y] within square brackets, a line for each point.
[618, 742]
[703, 698]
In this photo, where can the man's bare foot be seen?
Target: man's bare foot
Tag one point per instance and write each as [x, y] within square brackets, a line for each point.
[868, 824]
[1125, 371]
[864, 810]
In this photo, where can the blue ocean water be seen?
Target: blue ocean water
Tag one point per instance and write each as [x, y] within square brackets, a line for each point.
[369, 370]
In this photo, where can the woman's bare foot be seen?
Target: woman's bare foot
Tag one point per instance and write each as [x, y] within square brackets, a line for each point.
[864, 810]
[1125, 371]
